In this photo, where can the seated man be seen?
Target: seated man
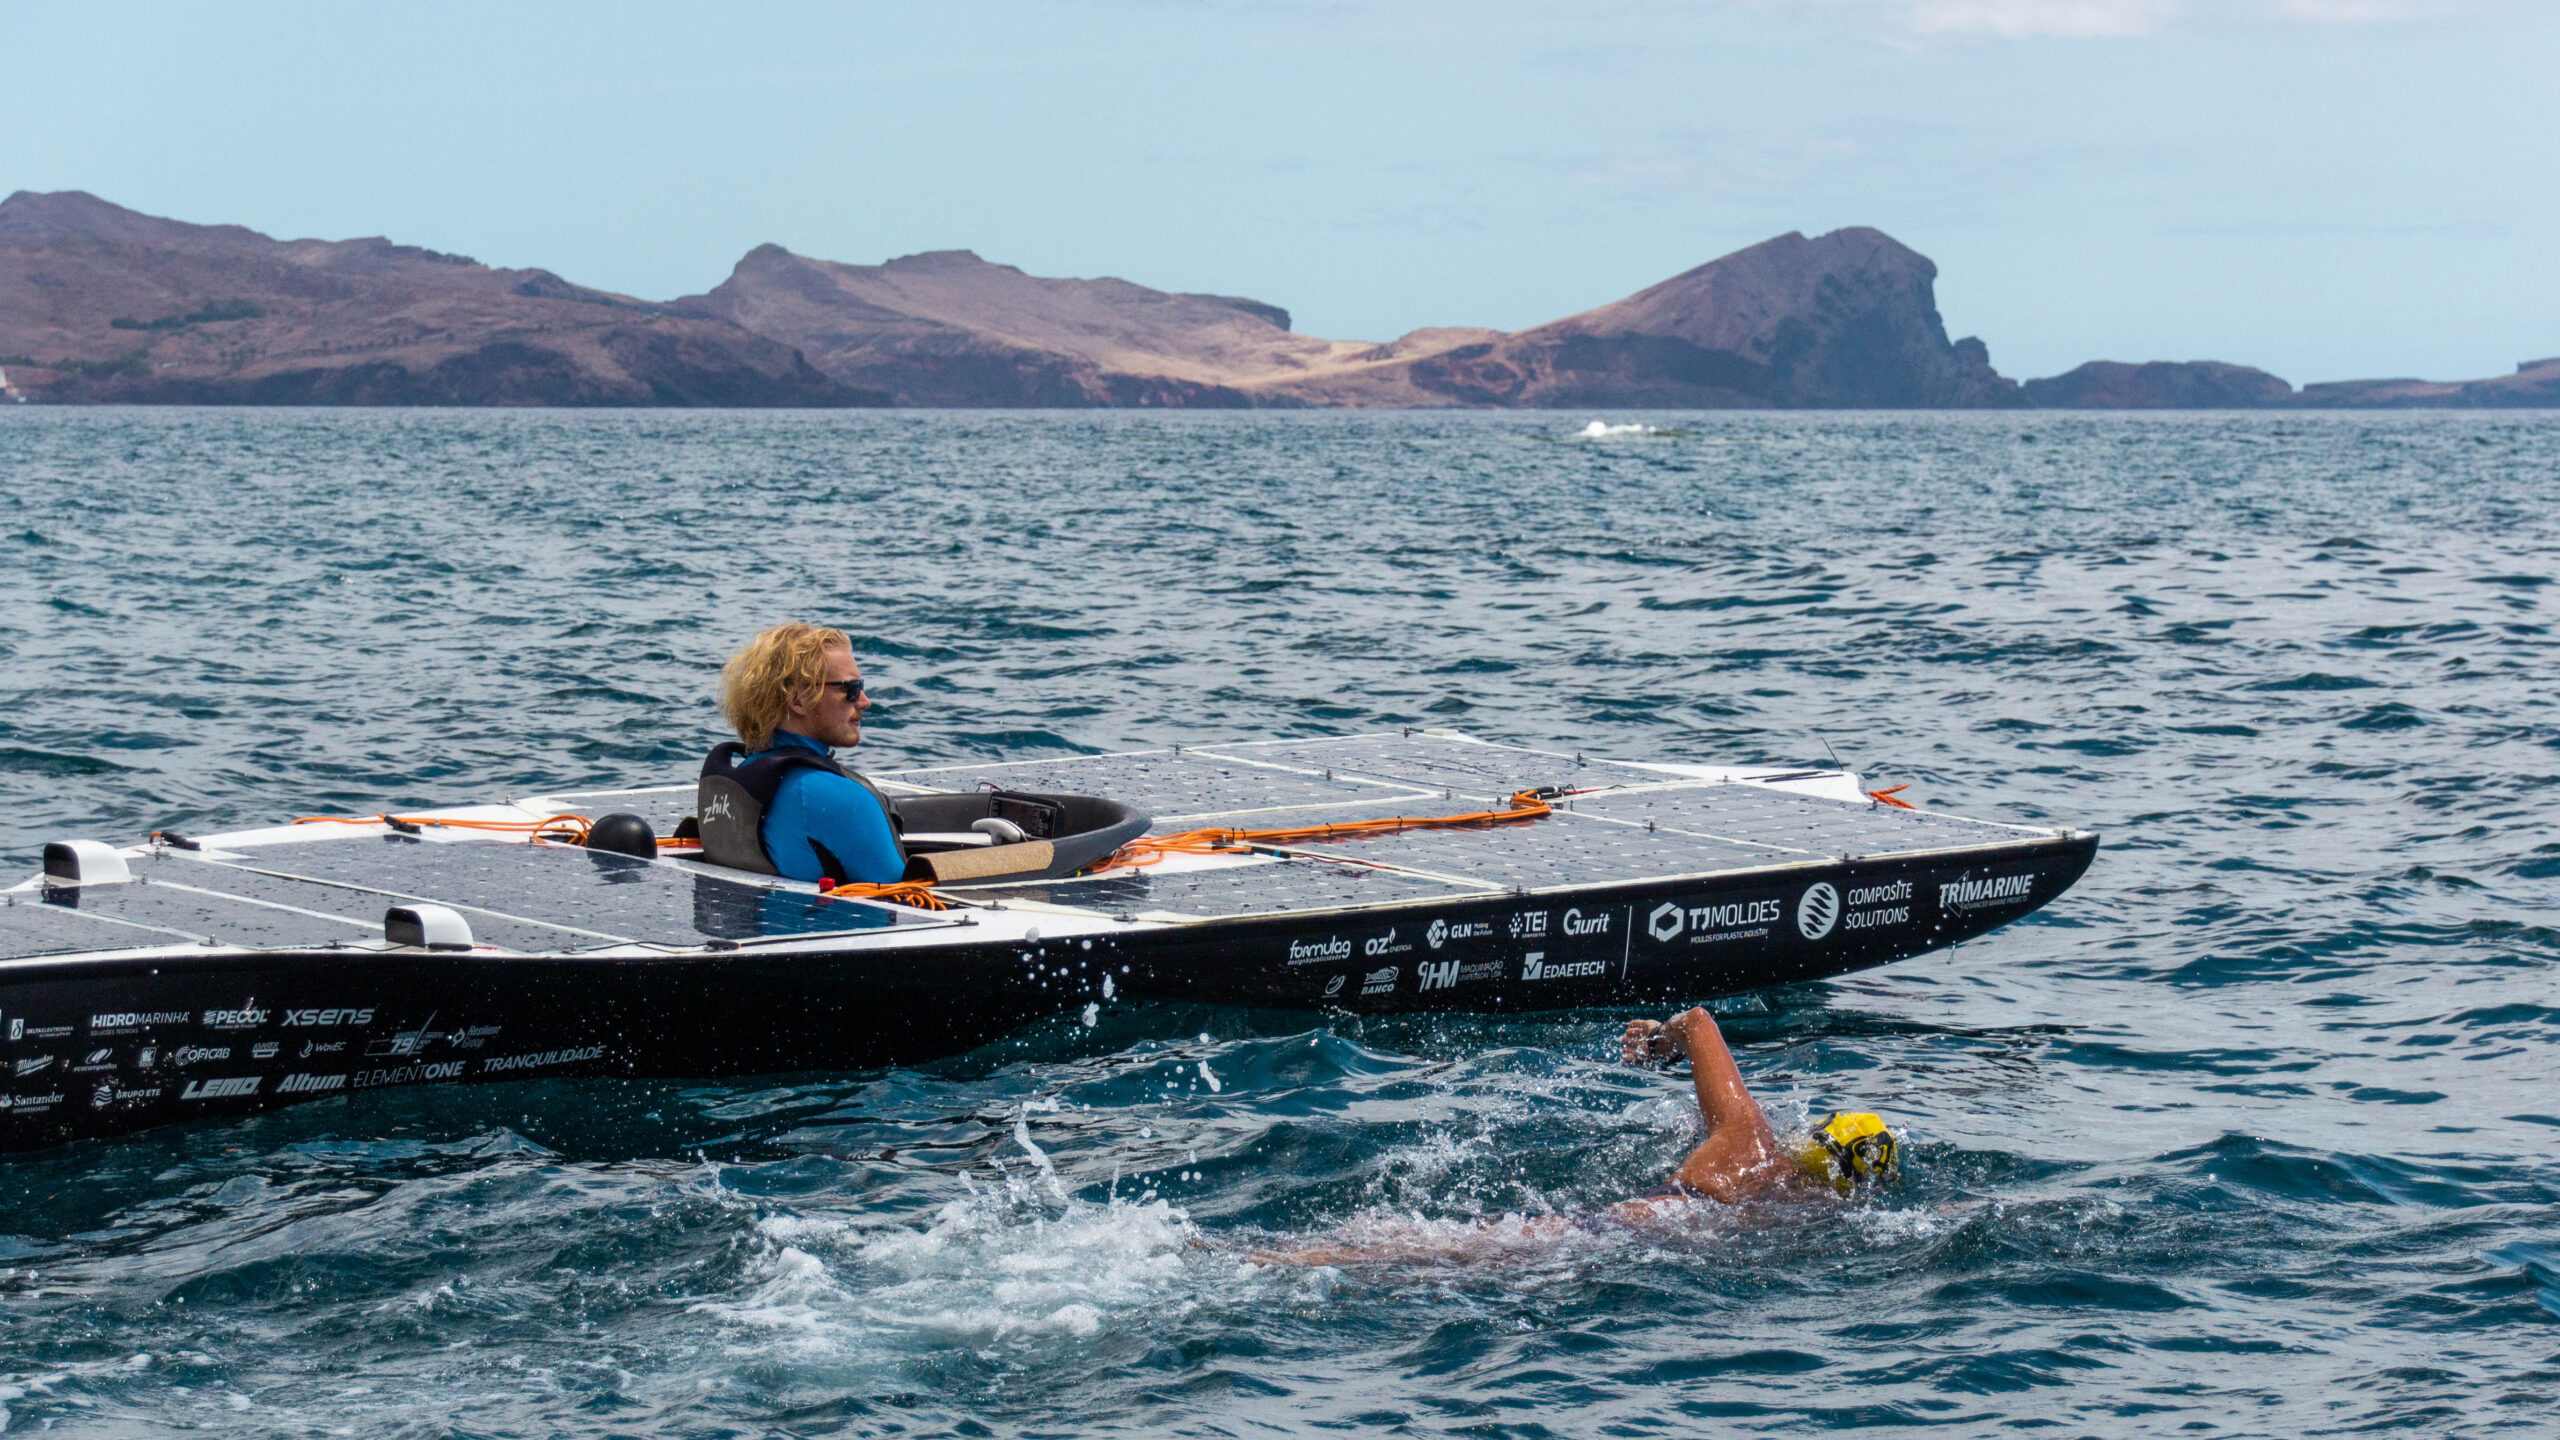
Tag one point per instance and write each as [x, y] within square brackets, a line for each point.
[775, 800]
[1741, 1159]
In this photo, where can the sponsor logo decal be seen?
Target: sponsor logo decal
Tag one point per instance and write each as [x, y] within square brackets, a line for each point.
[1666, 921]
[1436, 936]
[473, 1038]
[1669, 920]
[102, 1097]
[35, 1063]
[138, 1019]
[329, 1017]
[1595, 923]
[1442, 932]
[1316, 952]
[1529, 925]
[102, 1058]
[319, 1047]
[719, 809]
[1534, 966]
[407, 1042]
[1818, 910]
[1333, 986]
[47, 1032]
[1741, 912]
[1449, 974]
[190, 1054]
[540, 1058]
[229, 1087]
[247, 1017]
[1378, 982]
[1988, 891]
[30, 1104]
[149, 1057]
[443, 1070]
[299, 1084]
[264, 1050]
[1385, 945]
[17, 1028]
[1872, 907]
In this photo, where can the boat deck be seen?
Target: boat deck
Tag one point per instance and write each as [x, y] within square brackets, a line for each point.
[1615, 822]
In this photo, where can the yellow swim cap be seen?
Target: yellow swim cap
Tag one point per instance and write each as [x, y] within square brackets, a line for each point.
[1848, 1150]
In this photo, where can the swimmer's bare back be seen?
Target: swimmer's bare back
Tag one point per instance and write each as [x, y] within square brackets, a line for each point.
[1739, 1160]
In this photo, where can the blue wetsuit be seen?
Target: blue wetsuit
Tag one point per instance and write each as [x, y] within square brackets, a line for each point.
[838, 813]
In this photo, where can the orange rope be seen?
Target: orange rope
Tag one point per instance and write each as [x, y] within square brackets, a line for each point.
[916, 893]
[1525, 805]
[573, 827]
[1886, 795]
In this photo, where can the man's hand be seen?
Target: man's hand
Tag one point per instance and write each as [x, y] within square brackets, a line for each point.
[1647, 1042]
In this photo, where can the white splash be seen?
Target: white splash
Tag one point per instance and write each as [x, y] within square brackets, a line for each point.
[1039, 1158]
[1211, 1076]
[979, 1272]
[797, 1298]
[1603, 430]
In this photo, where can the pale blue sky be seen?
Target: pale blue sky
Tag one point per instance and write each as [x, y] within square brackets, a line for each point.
[2328, 188]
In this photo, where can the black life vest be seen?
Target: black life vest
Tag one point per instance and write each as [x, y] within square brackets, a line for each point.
[730, 802]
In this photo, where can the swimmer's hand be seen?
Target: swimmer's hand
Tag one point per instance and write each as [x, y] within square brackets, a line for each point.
[1655, 1042]
[1648, 1042]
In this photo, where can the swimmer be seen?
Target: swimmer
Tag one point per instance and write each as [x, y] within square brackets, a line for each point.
[1741, 1159]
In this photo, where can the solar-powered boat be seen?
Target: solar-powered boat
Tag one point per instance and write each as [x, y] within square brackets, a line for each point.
[151, 983]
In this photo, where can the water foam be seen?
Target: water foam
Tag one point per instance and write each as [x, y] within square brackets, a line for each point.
[984, 1270]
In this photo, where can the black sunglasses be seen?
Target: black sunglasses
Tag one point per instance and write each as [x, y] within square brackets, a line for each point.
[851, 689]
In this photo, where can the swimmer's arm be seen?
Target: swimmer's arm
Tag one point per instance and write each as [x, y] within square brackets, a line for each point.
[1740, 1155]
[1722, 1097]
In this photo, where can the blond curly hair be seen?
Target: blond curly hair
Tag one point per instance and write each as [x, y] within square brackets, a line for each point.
[785, 663]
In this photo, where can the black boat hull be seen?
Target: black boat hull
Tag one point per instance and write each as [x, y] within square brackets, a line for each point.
[98, 1047]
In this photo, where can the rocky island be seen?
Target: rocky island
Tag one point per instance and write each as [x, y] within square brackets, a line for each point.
[100, 303]
[103, 304]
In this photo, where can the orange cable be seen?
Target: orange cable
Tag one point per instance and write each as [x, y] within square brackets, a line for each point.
[1886, 795]
[916, 893]
[1525, 805]
[575, 826]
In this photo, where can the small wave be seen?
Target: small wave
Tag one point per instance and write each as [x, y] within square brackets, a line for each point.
[48, 762]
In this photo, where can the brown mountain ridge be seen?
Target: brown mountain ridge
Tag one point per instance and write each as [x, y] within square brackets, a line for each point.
[99, 303]
[103, 304]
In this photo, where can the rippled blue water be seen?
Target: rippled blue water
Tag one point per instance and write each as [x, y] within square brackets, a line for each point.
[2250, 1134]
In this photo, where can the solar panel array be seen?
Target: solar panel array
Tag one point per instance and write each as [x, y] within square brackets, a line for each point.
[1631, 824]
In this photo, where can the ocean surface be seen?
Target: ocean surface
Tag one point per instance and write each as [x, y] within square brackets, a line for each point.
[2253, 1133]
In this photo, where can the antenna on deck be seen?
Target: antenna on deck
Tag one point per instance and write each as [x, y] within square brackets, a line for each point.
[1827, 750]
